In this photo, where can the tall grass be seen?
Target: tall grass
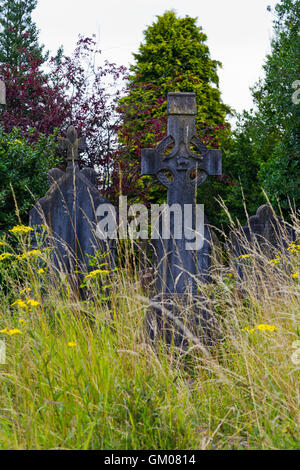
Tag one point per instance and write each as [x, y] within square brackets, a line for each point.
[82, 374]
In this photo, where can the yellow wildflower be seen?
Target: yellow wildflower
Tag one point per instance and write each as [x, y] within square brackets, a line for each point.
[294, 275]
[41, 271]
[249, 330]
[33, 252]
[294, 248]
[25, 291]
[22, 322]
[15, 331]
[97, 272]
[4, 331]
[20, 303]
[29, 253]
[33, 303]
[5, 256]
[274, 261]
[21, 229]
[243, 256]
[265, 327]
[72, 344]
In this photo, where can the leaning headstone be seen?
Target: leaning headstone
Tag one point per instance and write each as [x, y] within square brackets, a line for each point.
[182, 262]
[264, 233]
[2, 92]
[69, 211]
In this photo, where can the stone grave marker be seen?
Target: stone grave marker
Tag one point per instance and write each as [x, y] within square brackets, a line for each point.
[181, 170]
[264, 233]
[69, 211]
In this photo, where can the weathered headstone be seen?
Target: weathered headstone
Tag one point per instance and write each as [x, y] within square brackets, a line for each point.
[69, 211]
[182, 170]
[2, 92]
[264, 233]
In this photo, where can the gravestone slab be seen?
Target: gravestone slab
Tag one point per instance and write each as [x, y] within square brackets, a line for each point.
[182, 170]
[69, 211]
[176, 317]
[181, 162]
[264, 232]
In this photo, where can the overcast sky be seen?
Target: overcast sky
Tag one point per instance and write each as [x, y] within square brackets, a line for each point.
[239, 33]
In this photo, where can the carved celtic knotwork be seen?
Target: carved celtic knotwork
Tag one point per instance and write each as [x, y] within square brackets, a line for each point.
[199, 178]
[163, 145]
[163, 178]
[182, 161]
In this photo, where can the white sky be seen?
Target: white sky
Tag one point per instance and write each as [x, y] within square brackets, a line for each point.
[239, 33]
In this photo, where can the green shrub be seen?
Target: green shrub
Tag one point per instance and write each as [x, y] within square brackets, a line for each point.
[23, 174]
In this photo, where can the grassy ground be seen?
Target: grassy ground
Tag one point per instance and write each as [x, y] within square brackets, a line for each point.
[83, 375]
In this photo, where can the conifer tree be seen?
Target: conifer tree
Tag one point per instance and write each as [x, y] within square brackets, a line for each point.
[18, 33]
[173, 57]
[175, 50]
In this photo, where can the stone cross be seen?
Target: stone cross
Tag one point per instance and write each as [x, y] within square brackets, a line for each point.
[181, 170]
[72, 145]
[2, 92]
[182, 162]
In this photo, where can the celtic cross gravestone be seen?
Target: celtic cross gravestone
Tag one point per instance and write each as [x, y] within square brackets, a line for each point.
[182, 170]
[181, 265]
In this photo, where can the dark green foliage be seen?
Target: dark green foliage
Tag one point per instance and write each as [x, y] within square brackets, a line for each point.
[23, 167]
[280, 170]
[173, 58]
[18, 33]
[175, 54]
[265, 152]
